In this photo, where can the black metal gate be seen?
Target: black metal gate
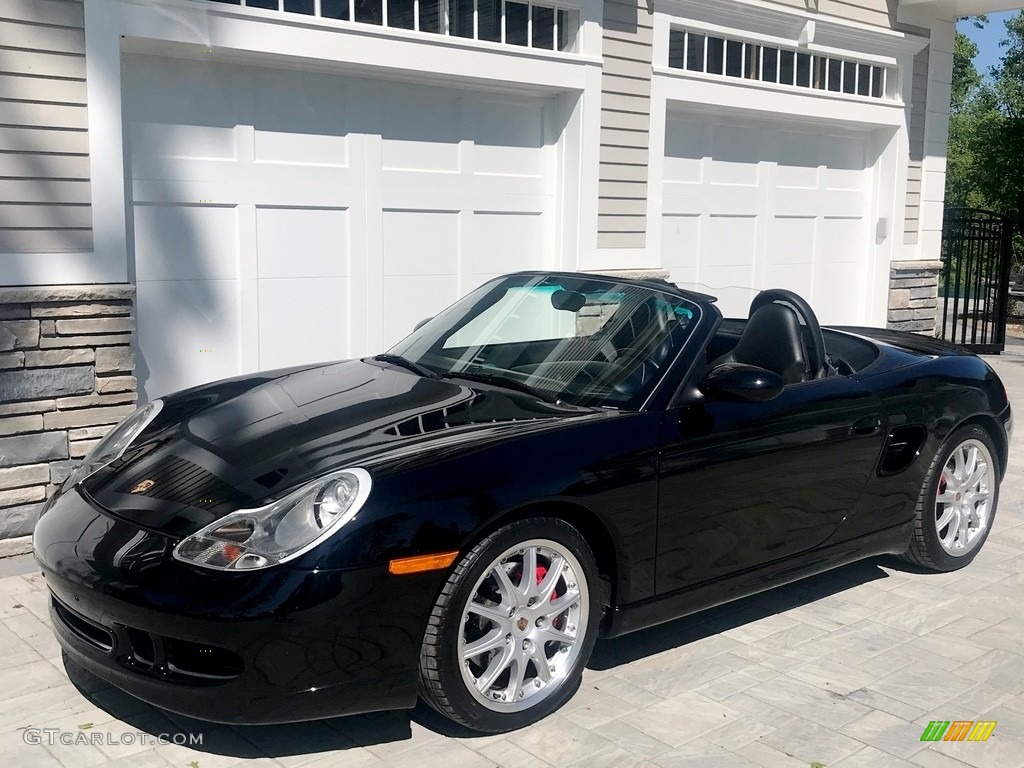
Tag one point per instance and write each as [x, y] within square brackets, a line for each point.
[974, 287]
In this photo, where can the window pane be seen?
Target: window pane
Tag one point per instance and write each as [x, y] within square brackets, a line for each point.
[734, 58]
[369, 11]
[770, 67]
[268, 4]
[818, 81]
[716, 52]
[568, 23]
[489, 20]
[543, 27]
[786, 67]
[876, 82]
[517, 19]
[676, 48]
[849, 76]
[864, 80]
[752, 57]
[803, 70]
[430, 16]
[695, 52]
[334, 9]
[835, 74]
[461, 19]
[401, 14]
[299, 6]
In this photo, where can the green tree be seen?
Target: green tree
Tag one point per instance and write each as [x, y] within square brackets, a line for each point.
[985, 157]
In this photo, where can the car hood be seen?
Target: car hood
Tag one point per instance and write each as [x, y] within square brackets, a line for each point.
[242, 442]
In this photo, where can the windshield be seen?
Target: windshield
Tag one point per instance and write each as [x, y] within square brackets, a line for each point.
[585, 341]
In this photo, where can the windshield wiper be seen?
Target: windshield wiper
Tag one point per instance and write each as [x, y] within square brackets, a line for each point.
[404, 362]
[501, 381]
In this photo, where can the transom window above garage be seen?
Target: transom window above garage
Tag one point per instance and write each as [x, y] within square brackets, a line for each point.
[544, 26]
[713, 55]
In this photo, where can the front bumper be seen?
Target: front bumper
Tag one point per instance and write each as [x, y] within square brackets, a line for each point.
[280, 645]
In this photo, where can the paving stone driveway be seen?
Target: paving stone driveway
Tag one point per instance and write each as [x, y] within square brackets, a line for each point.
[843, 670]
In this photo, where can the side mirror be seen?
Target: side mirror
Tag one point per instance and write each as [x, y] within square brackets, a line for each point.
[421, 323]
[748, 383]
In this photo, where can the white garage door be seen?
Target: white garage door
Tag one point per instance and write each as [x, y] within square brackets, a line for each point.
[284, 216]
[754, 204]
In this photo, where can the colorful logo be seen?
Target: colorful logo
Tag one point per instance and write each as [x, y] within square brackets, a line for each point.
[958, 730]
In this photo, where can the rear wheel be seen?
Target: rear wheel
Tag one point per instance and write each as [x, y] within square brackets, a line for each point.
[513, 628]
[957, 503]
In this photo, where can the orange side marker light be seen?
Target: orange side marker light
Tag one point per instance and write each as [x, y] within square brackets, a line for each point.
[420, 563]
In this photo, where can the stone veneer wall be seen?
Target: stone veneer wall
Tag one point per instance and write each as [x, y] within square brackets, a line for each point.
[913, 292]
[66, 363]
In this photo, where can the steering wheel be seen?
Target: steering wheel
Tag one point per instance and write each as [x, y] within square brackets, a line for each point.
[816, 352]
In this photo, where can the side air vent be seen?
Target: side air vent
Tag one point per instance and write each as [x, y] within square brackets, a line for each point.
[901, 448]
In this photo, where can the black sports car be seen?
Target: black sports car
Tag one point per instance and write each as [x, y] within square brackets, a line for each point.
[553, 459]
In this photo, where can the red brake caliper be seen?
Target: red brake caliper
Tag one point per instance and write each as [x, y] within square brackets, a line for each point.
[559, 621]
[942, 484]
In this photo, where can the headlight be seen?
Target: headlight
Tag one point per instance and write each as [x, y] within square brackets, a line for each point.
[282, 530]
[116, 441]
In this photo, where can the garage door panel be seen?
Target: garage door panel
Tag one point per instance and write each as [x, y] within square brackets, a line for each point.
[421, 129]
[791, 242]
[729, 281]
[302, 320]
[841, 239]
[182, 141]
[302, 242]
[839, 293]
[304, 149]
[172, 92]
[731, 240]
[508, 137]
[186, 242]
[421, 243]
[680, 237]
[408, 299]
[506, 241]
[187, 333]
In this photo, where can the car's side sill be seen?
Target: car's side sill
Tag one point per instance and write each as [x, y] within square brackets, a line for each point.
[647, 613]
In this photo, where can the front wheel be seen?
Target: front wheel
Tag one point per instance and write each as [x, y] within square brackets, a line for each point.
[513, 628]
[957, 503]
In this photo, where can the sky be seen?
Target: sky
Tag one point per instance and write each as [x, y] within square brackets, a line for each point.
[987, 39]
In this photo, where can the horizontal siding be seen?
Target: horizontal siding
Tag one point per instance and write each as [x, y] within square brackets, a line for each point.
[25, 165]
[36, 37]
[45, 190]
[55, 12]
[625, 124]
[45, 240]
[875, 12]
[915, 136]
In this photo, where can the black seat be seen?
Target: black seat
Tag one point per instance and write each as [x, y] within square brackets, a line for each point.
[772, 339]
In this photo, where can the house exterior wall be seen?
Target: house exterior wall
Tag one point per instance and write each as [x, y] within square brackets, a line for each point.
[44, 144]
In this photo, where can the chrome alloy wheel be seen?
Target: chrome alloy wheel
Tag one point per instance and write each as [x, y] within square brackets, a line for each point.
[964, 496]
[523, 625]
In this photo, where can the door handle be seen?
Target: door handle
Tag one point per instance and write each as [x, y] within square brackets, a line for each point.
[866, 426]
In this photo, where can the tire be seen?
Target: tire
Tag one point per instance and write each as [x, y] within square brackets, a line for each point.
[954, 514]
[528, 638]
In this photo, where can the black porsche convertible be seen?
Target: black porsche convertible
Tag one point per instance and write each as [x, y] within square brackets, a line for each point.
[553, 459]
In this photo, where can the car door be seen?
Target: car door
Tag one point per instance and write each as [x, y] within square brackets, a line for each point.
[746, 483]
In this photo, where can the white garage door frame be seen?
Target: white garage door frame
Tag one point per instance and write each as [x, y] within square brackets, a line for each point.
[885, 121]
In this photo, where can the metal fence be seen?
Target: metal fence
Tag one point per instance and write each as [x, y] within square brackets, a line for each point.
[977, 248]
